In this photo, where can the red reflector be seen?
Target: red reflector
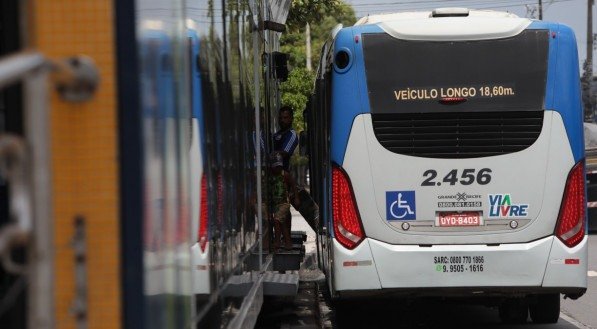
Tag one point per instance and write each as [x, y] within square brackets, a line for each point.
[571, 221]
[348, 264]
[348, 229]
[572, 261]
[203, 215]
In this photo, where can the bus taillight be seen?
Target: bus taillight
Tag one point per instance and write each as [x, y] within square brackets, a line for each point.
[571, 221]
[203, 215]
[348, 228]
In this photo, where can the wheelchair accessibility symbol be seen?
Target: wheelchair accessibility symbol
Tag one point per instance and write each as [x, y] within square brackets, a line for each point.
[400, 205]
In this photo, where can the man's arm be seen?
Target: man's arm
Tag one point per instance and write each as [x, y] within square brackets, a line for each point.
[289, 144]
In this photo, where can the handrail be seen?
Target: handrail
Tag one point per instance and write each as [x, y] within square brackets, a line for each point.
[76, 80]
[30, 187]
[17, 66]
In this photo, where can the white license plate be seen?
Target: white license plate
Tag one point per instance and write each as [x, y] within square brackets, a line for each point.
[457, 219]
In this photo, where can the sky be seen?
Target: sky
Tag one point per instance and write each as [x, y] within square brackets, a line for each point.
[570, 12]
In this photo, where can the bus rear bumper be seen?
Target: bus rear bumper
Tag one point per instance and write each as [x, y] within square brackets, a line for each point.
[541, 266]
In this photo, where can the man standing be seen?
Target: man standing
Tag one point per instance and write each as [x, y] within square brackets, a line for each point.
[285, 139]
[285, 142]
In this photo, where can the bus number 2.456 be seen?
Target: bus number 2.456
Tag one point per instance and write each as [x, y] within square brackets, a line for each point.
[466, 177]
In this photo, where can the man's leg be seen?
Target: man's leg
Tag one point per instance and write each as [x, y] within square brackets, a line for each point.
[277, 233]
[288, 227]
[283, 214]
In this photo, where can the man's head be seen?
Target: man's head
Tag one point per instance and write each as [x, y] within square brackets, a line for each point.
[285, 117]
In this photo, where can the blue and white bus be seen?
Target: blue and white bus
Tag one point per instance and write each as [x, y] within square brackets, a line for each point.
[447, 154]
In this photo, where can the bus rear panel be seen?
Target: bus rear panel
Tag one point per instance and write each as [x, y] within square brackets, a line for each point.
[457, 159]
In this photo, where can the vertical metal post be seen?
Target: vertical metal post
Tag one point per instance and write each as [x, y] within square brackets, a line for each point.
[589, 42]
[257, 90]
[308, 46]
[36, 118]
[41, 252]
[540, 10]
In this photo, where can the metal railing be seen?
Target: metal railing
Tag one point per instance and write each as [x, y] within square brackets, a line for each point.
[25, 164]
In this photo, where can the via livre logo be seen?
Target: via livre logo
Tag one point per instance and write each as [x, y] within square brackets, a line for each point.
[500, 205]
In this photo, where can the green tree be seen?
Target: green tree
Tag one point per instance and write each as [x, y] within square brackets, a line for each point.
[308, 11]
[321, 21]
[295, 93]
[323, 16]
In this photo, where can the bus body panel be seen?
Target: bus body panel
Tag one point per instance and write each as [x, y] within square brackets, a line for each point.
[519, 247]
[567, 267]
[566, 96]
[348, 90]
[482, 265]
[534, 266]
[360, 266]
[201, 270]
[374, 171]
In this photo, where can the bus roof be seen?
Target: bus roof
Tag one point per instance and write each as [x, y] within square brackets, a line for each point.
[407, 15]
[448, 24]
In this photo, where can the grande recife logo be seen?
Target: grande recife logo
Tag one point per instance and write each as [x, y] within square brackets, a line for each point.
[500, 205]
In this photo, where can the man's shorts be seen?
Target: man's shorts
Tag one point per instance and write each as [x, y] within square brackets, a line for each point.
[281, 212]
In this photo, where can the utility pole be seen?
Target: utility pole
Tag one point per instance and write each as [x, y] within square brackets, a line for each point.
[590, 37]
[588, 65]
[540, 10]
[308, 46]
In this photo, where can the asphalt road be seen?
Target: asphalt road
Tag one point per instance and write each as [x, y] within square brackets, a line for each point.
[580, 313]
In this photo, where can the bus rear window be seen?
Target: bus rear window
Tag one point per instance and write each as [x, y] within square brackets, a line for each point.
[465, 76]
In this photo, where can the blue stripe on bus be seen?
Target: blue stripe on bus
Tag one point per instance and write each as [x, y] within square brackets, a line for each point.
[350, 88]
[567, 100]
[563, 92]
[349, 85]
